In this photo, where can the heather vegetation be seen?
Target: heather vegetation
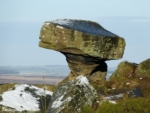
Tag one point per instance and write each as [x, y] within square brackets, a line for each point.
[128, 103]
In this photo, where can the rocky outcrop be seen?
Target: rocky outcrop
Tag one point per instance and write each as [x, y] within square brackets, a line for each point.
[128, 69]
[143, 69]
[86, 45]
[124, 69]
[124, 76]
[72, 96]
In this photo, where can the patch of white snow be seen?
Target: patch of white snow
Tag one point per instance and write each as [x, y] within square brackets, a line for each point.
[21, 100]
[113, 97]
[59, 101]
[59, 27]
[127, 83]
[82, 79]
[140, 78]
[83, 26]
[113, 102]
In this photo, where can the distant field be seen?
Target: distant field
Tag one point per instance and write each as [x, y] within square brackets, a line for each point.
[31, 79]
[52, 74]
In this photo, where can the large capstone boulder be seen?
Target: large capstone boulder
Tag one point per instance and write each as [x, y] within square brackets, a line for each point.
[143, 69]
[86, 45]
[72, 96]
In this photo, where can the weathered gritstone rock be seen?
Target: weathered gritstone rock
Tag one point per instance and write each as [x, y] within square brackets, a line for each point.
[72, 96]
[124, 69]
[81, 37]
[124, 75]
[86, 45]
[143, 68]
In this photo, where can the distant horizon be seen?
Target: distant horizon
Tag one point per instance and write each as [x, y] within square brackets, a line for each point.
[36, 66]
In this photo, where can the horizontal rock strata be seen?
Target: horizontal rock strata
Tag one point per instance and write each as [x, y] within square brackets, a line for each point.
[81, 37]
[86, 45]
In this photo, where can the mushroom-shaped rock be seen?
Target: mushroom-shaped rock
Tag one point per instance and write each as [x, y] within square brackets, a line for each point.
[86, 45]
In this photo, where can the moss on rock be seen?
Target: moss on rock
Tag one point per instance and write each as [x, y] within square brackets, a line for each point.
[143, 68]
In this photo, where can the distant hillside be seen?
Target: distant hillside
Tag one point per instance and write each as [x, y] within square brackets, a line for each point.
[48, 70]
[6, 71]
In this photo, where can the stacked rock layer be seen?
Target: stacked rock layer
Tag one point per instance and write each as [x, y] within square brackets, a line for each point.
[86, 45]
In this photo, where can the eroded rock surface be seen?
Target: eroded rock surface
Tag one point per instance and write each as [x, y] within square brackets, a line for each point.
[143, 69]
[72, 96]
[125, 69]
[86, 45]
[124, 76]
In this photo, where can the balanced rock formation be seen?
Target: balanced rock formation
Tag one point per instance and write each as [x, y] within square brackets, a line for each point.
[72, 96]
[86, 45]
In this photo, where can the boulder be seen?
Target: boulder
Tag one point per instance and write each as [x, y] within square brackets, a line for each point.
[124, 76]
[143, 69]
[86, 45]
[124, 69]
[134, 93]
[70, 97]
[24, 99]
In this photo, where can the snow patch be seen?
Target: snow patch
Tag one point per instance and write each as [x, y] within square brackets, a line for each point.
[21, 99]
[114, 97]
[82, 80]
[59, 27]
[65, 94]
[113, 102]
[127, 83]
[140, 78]
[59, 101]
[83, 26]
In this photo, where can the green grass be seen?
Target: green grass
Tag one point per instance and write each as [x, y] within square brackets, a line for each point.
[127, 104]
[134, 105]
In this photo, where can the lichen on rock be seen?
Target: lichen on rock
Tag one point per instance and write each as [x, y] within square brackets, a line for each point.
[72, 96]
[125, 69]
[86, 45]
[81, 37]
[143, 68]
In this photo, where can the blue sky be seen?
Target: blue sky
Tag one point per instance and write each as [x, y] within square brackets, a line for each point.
[21, 21]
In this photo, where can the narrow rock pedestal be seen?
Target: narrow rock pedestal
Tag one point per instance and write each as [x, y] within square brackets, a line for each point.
[94, 69]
